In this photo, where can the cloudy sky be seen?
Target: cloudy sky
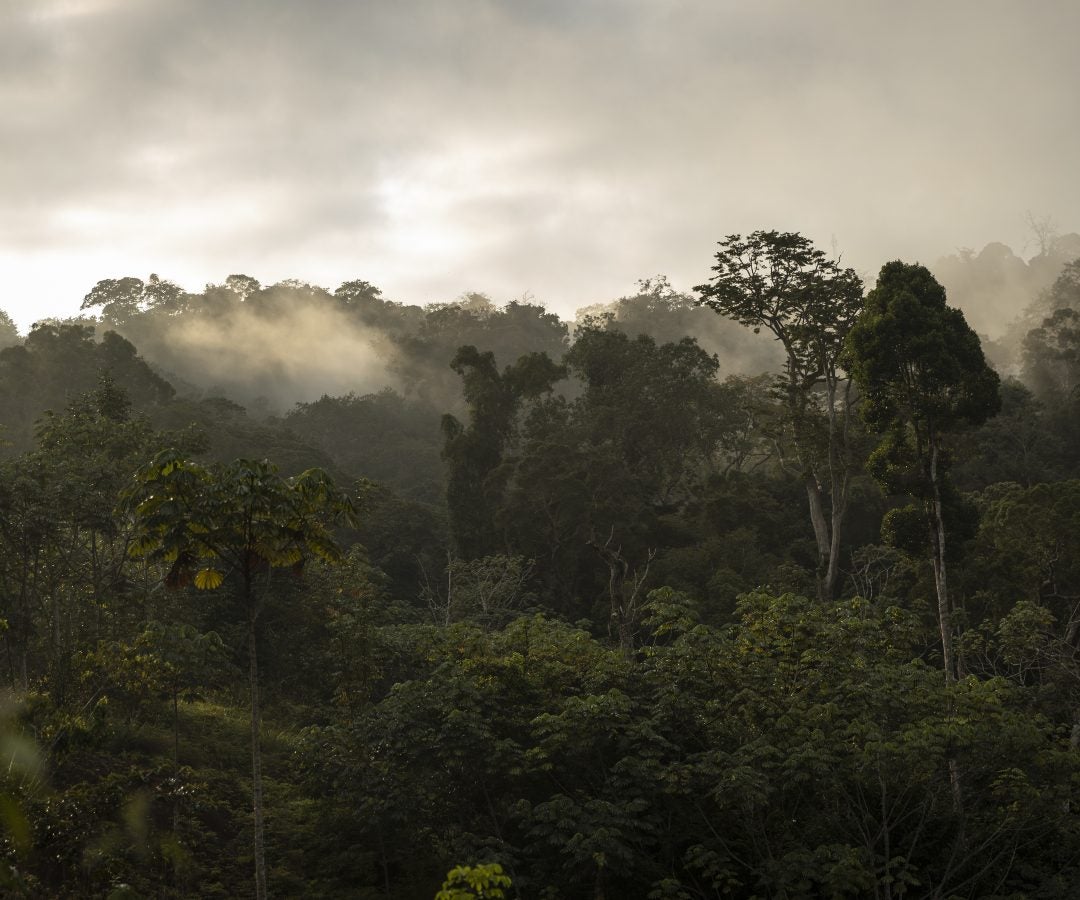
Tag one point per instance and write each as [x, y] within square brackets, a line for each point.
[563, 148]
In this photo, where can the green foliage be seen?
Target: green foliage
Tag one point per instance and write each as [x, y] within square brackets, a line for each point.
[1020, 444]
[58, 362]
[351, 606]
[403, 538]
[474, 883]
[655, 403]
[475, 452]
[1025, 564]
[243, 520]
[207, 521]
[383, 437]
[780, 282]
[228, 432]
[65, 553]
[21, 775]
[1052, 355]
[488, 590]
[829, 743]
[916, 359]
[923, 375]
[619, 465]
[743, 741]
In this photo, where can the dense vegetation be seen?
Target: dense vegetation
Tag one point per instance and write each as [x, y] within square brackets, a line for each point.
[654, 606]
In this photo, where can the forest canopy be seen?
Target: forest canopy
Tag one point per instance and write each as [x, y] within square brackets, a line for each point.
[770, 588]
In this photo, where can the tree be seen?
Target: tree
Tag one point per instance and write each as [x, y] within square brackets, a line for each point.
[62, 552]
[9, 334]
[625, 590]
[474, 883]
[120, 299]
[923, 374]
[187, 658]
[489, 590]
[667, 316]
[243, 285]
[241, 520]
[818, 771]
[475, 452]
[780, 282]
[124, 300]
[385, 437]
[1028, 556]
[1052, 355]
[58, 363]
[1064, 293]
[1019, 444]
[746, 407]
[657, 405]
[607, 469]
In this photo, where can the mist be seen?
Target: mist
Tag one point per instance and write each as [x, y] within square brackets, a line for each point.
[270, 348]
[270, 364]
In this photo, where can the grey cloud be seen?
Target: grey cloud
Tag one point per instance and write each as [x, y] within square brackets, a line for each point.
[564, 148]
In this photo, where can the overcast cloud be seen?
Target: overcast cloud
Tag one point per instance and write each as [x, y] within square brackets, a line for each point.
[563, 148]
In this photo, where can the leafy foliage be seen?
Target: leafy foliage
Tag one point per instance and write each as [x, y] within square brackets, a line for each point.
[242, 518]
[781, 283]
[923, 374]
[915, 357]
[469, 882]
[600, 665]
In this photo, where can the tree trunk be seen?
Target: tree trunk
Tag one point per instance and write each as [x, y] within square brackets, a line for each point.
[832, 573]
[626, 632]
[59, 685]
[24, 670]
[176, 758]
[385, 864]
[821, 536]
[623, 591]
[838, 476]
[176, 731]
[944, 612]
[256, 764]
[1074, 745]
[940, 583]
[23, 629]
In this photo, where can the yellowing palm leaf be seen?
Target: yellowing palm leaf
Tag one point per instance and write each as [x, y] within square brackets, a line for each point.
[208, 579]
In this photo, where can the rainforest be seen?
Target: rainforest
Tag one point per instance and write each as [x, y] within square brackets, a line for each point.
[765, 588]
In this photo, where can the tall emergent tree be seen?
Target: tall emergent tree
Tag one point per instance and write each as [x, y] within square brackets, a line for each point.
[923, 374]
[780, 282]
[239, 522]
[474, 452]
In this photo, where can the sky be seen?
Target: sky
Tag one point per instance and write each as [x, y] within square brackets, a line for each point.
[556, 149]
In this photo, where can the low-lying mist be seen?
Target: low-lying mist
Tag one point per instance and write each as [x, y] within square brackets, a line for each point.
[273, 347]
[298, 355]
